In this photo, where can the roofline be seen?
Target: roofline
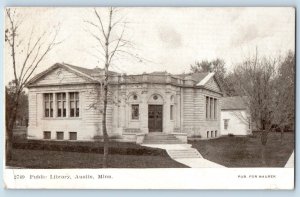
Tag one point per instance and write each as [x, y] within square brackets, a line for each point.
[56, 65]
[206, 79]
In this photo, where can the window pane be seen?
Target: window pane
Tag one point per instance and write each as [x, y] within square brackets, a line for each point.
[76, 95]
[135, 112]
[171, 112]
[58, 96]
[73, 135]
[77, 105]
[71, 95]
[60, 135]
[215, 109]
[211, 108]
[64, 109]
[47, 135]
[64, 96]
[46, 97]
[207, 104]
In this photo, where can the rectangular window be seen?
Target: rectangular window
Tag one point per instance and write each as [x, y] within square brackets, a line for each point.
[59, 135]
[134, 112]
[48, 102]
[73, 135]
[226, 121]
[47, 135]
[211, 133]
[61, 105]
[171, 112]
[74, 104]
[211, 105]
[207, 107]
[215, 109]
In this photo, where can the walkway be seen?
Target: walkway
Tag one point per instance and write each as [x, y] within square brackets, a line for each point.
[183, 153]
[290, 162]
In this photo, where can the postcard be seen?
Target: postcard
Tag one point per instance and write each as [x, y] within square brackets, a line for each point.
[149, 97]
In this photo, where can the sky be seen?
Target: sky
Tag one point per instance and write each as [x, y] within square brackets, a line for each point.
[167, 39]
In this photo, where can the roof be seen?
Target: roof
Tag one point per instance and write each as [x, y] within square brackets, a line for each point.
[96, 74]
[88, 71]
[234, 103]
[198, 76]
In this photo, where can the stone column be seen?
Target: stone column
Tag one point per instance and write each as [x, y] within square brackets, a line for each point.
[68, 104]
[166, 113]
[144, 112]
[54, 105]
[177, 110]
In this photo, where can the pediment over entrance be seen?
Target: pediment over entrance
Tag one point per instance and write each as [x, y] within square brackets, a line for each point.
[156, 99]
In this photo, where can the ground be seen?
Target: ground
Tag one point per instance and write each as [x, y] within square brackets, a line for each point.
[234, 151]
[60, 159]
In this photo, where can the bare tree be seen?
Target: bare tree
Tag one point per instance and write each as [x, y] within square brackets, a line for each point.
[284, 95]
[109, 33]
[26, 55]
[258, 79]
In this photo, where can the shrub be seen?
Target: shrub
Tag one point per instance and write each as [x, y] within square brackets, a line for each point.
[120, 148]
[230, 135]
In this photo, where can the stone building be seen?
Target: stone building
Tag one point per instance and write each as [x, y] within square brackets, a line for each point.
[65, 103]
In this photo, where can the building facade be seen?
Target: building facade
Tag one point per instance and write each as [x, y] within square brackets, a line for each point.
[65, 103]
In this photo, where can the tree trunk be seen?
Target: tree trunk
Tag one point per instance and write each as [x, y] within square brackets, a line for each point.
[281, 135]
[9, 129]
[264, 139]
[104, 128]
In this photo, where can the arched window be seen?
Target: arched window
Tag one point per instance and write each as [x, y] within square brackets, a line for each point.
[207, 134]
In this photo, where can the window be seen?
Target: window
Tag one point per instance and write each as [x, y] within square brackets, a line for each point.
[48, 101]
[59, 135]
[212, 134]
[171, 112]
[73, 135]
[207, 107]
[74, 104]
[207, 134]
[134, 112]
[215, 109]
[216, 133]
[211, 108]
[61, 105]
[226, 121]
[47, 135]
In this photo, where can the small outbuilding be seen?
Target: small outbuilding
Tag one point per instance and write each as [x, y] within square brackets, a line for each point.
[235, 116]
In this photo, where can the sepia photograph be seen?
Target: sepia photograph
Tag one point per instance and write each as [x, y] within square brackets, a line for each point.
[104, 88]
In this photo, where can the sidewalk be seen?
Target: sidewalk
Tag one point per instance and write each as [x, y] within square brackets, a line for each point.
[194, 162]
[290, 162]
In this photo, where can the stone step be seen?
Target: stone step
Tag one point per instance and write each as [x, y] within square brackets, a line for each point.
[160, 138]
[163, 142]
[184, 153]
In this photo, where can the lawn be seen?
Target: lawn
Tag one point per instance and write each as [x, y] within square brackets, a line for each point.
[234, 151]
[59, 154]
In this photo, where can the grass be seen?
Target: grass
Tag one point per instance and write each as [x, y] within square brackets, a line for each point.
[234, 151]
[59, 159]
[66, 154]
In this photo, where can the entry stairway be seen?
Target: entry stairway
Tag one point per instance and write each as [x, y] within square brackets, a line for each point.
[161, 138]
[184, 153]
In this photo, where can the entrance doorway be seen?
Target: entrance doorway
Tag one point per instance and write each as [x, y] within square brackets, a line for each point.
[155, 118]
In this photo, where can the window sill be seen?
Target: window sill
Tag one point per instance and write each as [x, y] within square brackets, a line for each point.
[134, 120]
